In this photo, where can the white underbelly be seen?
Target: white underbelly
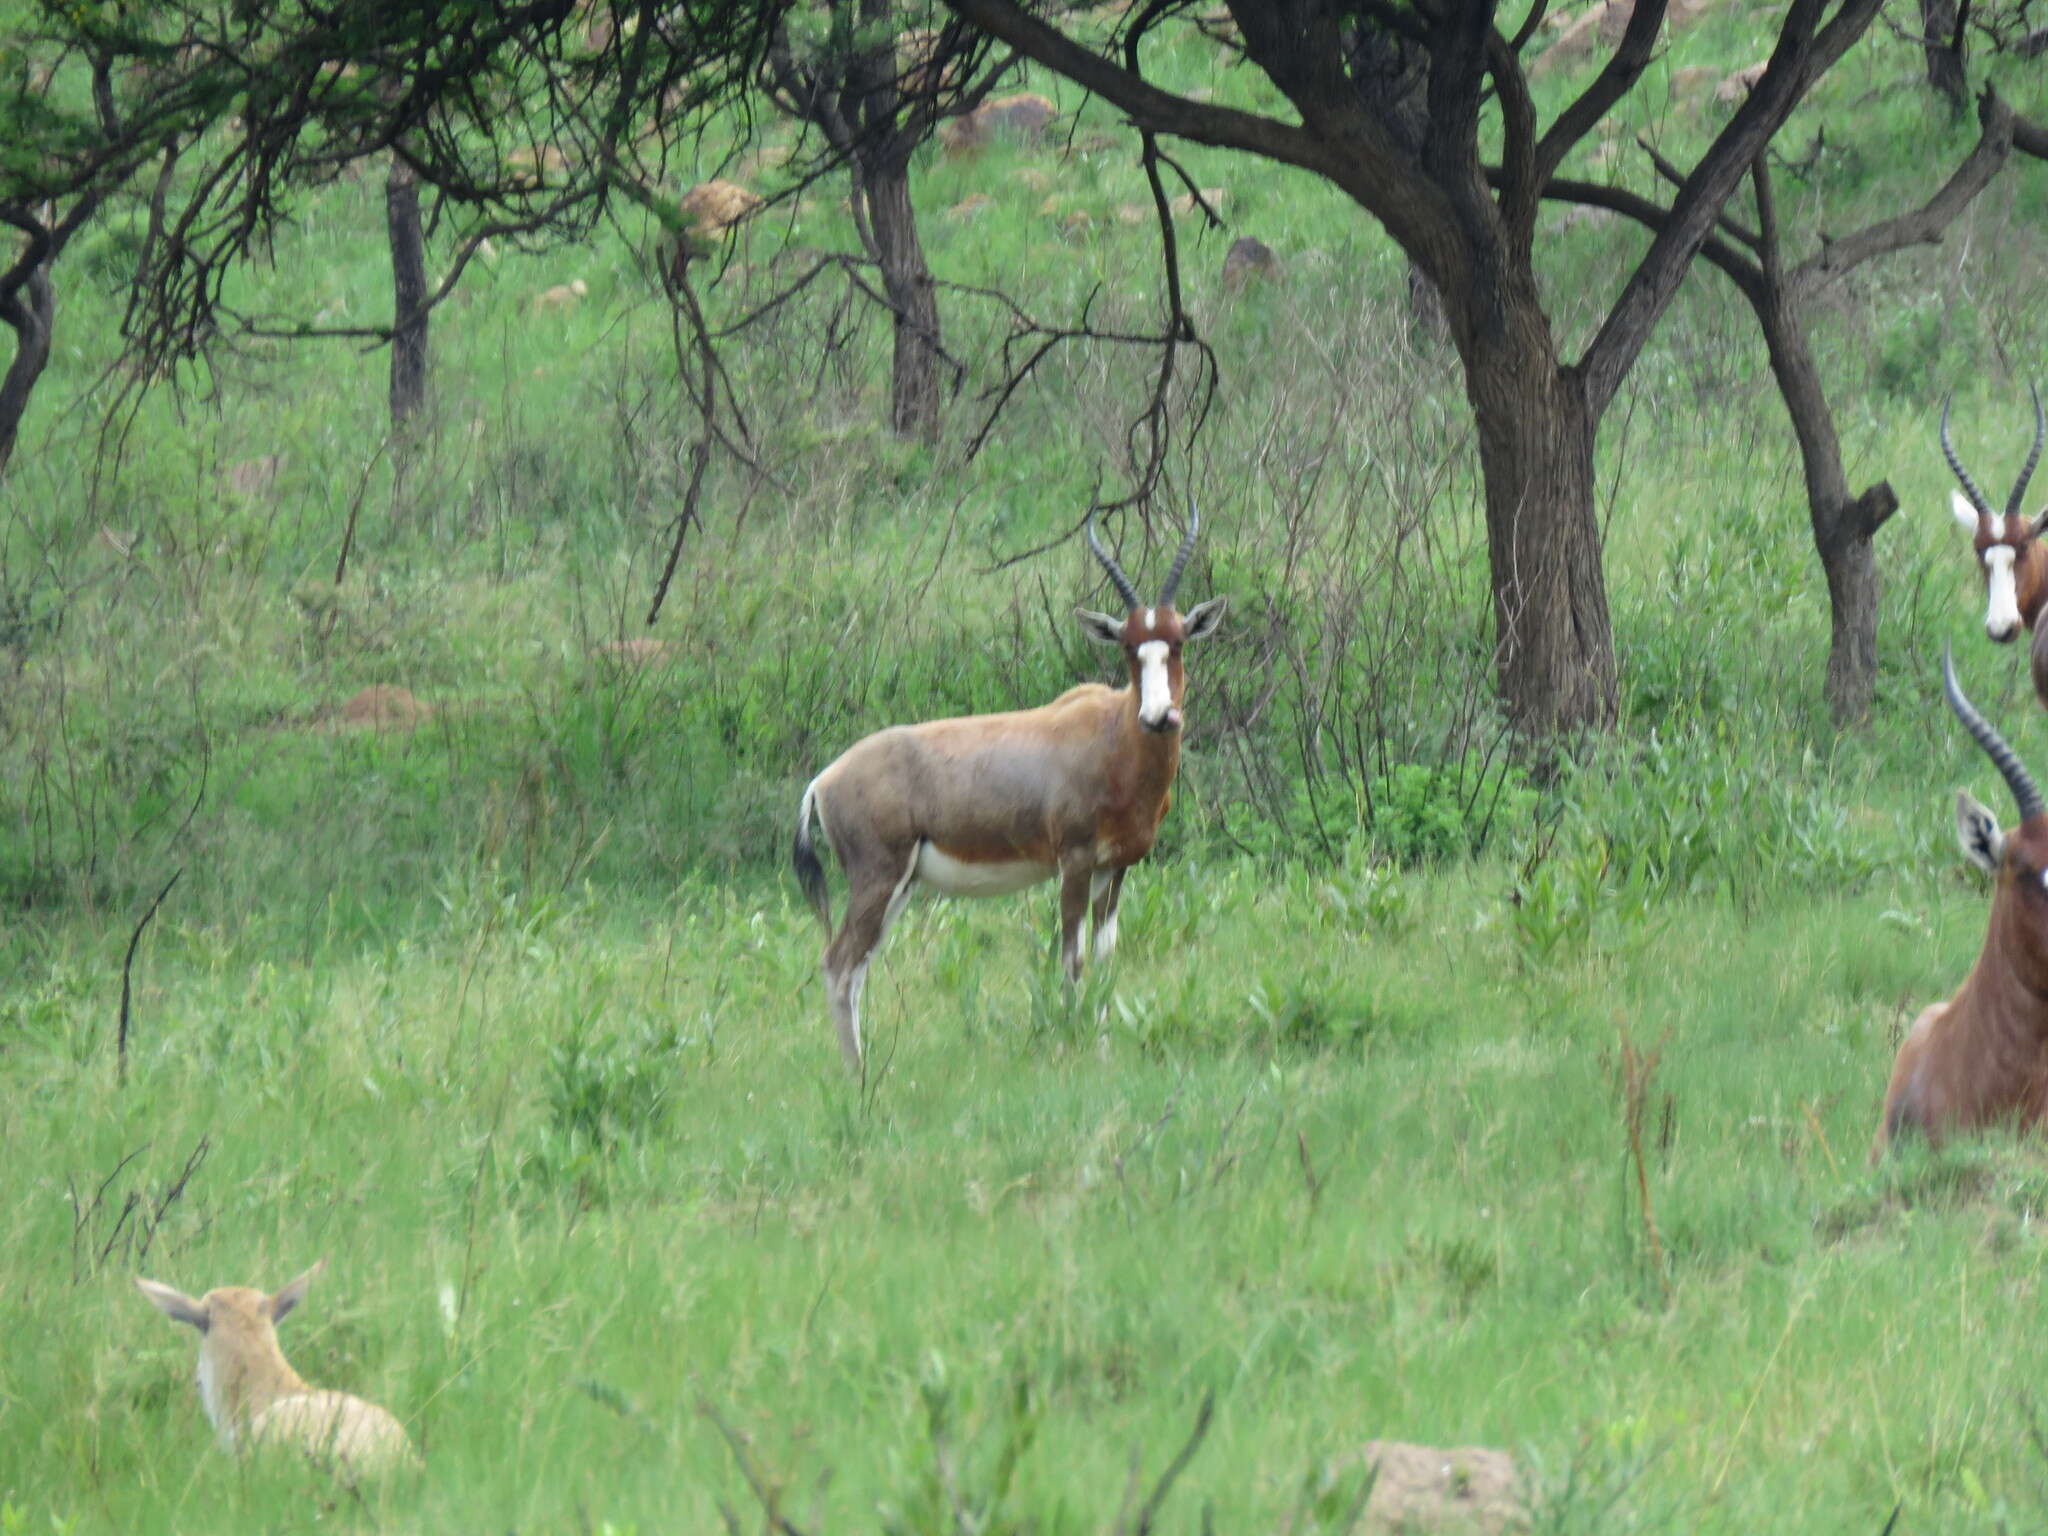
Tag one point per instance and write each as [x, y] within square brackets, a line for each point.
[959, 877]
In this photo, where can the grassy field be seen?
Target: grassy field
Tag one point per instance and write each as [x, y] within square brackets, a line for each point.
[1423, 1100]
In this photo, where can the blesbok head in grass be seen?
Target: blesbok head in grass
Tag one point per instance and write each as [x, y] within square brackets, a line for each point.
[255, 1400]
[982, 805]
[1981, 1058]
[2009, 549]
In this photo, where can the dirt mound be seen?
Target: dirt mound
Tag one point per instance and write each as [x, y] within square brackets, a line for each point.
[1463, 1489]
[384, 708]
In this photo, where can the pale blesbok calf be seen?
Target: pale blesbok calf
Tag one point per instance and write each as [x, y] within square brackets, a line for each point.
[984, 805]
[255, 1400]
[1981, 1058]
[2009, 551]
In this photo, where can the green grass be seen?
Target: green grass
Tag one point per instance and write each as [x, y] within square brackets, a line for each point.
[515, 1020]
[581, 1167]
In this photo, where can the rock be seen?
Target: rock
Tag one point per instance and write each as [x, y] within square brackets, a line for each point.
[531, 165]
[1615, 16]
[969, 208]
[561, 296]
[1024, 116]
[916, 51]
[258, 476]
[1574, 43]
[640, 652]
[1691, 83]
[1732, 91]
[385, 707]
[715, 206]
[1466, 1489]
[1249, 261]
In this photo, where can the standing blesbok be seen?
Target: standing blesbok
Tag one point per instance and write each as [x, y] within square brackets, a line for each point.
[984, 805]
[1981, 1058]
[2013, 557]
[254, 1399]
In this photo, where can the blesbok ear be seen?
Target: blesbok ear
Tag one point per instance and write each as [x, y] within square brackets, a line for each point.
[1202, 619]
[1983, 843]
[1101, 626]
[175, 1305]
[293, 1292]
[1965, 514]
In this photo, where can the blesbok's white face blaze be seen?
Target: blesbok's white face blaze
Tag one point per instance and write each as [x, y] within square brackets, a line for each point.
[2001, 594]
[1156, 710]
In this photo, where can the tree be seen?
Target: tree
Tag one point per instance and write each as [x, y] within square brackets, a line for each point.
[84, 106]
[1781, 296]
[409, 361]
[1352, 71]
[876, 89]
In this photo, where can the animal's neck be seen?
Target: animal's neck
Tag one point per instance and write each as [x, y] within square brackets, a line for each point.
[2008, 990]
[237, 1387]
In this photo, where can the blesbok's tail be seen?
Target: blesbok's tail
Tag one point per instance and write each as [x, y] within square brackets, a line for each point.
[810, 874]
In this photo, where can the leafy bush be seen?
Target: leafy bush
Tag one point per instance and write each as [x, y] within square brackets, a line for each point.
[1427, 813]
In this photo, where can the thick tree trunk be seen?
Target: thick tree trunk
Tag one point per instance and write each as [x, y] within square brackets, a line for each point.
[1943, 52]
[32, 313]
[408, 293]
[914, 387]
[1843, 525]
[1554, 641]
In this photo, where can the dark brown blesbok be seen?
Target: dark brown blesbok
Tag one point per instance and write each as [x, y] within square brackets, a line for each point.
[983, 805]
[1981, 1058]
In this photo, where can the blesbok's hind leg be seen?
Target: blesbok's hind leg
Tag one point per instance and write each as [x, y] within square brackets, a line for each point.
[1106, 888]
[1075, 887]
[870, 909]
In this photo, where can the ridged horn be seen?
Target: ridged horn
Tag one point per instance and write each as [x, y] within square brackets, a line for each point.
[2017, 779]
[1181, 556]
[1124, 588]
[2019, 489]
[1949, 451]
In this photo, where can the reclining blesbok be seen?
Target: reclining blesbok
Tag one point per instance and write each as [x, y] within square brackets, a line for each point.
[984, 805]
[2009, 550]
[1981, 1058]
[254, 1398]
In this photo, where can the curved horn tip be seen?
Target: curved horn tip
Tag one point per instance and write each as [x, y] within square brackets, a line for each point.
[2026, 796]
[1181, 556]
[1955, 463]
[2013, 505]
[1123, 584]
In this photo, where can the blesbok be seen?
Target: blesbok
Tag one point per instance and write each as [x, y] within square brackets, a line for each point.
[1981, 1058]
[2009, 550]
[255, 1400]
[983, 805]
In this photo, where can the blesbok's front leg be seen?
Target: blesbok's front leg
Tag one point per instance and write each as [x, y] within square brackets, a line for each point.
[1076, 882]
[1107, 887]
